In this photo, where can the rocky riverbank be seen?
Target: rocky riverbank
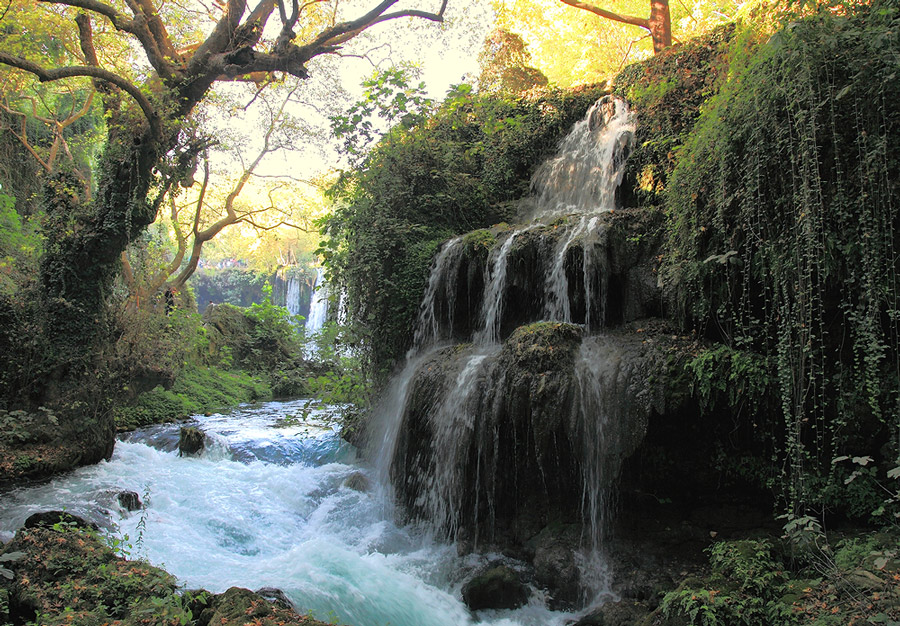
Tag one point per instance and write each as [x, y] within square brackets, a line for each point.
[65, 572]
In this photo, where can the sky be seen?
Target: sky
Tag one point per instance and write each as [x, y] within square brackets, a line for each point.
[441, 55]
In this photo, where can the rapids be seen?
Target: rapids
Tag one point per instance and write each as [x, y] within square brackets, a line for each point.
[266, 505]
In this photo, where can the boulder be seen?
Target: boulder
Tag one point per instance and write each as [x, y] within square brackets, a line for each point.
[276, 597]
[238, 607]
[556, 565]
[48, 519]
[69, 575]
[357, 481]
[499, 587]
[191, 441]
[129, 500]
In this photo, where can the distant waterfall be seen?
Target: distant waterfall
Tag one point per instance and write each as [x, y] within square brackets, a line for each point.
[318, 307]
[292, 295]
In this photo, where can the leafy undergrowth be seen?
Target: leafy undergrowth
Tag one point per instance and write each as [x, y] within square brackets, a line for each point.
[66, 574]
[196, 390]
[757, 582]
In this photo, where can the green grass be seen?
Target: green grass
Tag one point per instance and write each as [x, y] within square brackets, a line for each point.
[196, 390]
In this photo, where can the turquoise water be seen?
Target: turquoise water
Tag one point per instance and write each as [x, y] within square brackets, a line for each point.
[265, 505]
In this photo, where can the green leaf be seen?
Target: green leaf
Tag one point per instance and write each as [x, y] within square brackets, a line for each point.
[11, 556]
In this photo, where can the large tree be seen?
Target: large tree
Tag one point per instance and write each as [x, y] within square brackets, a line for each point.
[147, 150]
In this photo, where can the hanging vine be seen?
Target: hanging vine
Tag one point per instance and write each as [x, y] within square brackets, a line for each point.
[783, 210]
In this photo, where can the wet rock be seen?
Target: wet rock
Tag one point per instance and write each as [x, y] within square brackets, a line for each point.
[556, 566]
[276, 597]
[191, 441]
[47, 519]
[622, 613]
[500, 587]
[129, 500]
[516, 436]
[237, 607]
[358, 482]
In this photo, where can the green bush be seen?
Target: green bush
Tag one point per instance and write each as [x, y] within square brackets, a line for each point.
[750, 584]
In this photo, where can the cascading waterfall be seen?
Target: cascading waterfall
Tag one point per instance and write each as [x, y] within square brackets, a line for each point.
[588, 168]
[492, 302]
[433, 430]
[441, 277]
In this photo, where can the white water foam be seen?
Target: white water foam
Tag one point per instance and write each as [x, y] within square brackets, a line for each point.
[288, 522]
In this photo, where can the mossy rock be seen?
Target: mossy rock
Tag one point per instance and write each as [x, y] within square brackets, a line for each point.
[499, 587]
[543, 347]
[196, 390]
[68, 575]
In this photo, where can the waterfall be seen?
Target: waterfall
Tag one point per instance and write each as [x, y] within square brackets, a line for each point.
[446, 435]
[318, 307]
[292, 296]
[441, 277]
[492, 302]
[588, 168]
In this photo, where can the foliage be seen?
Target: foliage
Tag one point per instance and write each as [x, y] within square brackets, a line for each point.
[737, 377]
[459, 169]
[573, 47]
[341, 377]
[20, 246]
[503, 61]
[751, 584]
[797, 263]
[387, 96]
[666, 92]
[232, 285]
[195, 390]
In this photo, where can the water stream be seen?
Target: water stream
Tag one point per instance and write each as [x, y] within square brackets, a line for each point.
[267, 505]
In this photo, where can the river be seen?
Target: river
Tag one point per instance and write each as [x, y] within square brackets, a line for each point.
[269, 504]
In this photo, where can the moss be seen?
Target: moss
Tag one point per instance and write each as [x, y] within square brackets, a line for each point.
[543, 346]
[70, 575]
[667, 92]
[196, 390]
[483, 238]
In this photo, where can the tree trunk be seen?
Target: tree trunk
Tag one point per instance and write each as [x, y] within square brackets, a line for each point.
[660, 25]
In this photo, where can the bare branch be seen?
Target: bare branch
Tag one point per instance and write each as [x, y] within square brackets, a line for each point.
[279, 224]
[48, 75]
[22, 135]
[625, 19]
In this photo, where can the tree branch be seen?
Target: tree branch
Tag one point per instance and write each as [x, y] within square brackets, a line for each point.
[624, 19]
[48, 75]
[118, 20]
